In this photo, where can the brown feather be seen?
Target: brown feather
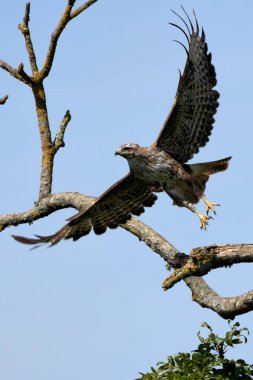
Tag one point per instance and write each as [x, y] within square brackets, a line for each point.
[190, 121]
[210, 167]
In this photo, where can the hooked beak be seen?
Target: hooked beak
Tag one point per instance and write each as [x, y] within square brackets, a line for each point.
[118, 152]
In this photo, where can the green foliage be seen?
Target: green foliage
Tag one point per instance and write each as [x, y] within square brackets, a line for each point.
[208, 361]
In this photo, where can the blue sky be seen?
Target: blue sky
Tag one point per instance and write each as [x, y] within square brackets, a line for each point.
[95, 308]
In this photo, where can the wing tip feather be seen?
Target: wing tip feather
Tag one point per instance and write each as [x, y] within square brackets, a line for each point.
[31, 241]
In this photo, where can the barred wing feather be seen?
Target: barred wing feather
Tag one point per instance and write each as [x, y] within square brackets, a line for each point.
[126, 197]
[190, 121]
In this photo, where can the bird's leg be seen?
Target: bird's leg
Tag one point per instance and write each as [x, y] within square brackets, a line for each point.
[182, 203]
[203, 219]
[209, 205]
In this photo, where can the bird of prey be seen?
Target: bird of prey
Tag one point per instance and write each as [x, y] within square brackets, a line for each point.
[162, 166]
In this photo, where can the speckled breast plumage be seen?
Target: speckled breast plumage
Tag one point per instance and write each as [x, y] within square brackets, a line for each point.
[157, 167]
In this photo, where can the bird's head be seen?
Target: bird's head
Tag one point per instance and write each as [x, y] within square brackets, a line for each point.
[127, 150]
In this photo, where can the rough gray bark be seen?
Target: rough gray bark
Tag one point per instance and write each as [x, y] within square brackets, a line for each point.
[188, 268]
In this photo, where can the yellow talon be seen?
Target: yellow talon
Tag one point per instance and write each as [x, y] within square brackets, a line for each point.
[209, 205]
[203, 220]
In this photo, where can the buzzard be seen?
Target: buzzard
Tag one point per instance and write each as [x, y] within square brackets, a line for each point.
[162, 166]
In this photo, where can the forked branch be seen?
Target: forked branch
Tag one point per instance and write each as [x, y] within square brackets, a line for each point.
[203, 260]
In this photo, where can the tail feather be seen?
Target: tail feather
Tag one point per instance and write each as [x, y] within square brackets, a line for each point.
[208, 168]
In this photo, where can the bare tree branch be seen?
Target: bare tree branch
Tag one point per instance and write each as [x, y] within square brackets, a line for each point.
[53, 43]
[59, 138]
[67, 16]
[24, 28]
[49, 148]
[156, 242]
[45, 207]
[226, 307]
[203, 260]
[82, 8]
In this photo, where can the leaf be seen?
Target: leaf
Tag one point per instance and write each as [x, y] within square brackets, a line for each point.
[205, 324]
[236, 341]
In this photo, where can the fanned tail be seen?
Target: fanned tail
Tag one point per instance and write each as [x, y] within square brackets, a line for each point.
[208, 168]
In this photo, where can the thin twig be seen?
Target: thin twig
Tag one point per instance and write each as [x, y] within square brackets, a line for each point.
[53, 42]
[23, 74]
[82, 8]
[59, 138]
[24, 28]
[13, 72]
[26, 18]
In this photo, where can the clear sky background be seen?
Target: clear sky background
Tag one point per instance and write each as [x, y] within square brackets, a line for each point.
[95, 308]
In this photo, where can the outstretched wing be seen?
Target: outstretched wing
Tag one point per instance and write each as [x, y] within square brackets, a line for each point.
[126, 197]
[190, 121]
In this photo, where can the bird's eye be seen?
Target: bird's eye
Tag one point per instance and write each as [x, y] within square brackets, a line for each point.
[127, 148]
